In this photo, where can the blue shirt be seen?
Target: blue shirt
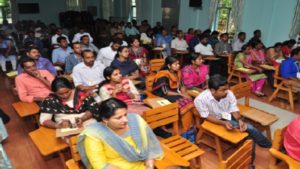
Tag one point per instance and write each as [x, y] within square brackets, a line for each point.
[60, 55]
[127, 67]
[41, 64]
[71, 61]
[289, 68]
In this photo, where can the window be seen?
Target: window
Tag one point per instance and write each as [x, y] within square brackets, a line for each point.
[133, 10]
[76, 5]
[5, 11]
[223, 21]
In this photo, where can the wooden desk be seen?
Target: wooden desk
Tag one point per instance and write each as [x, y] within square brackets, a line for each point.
[267, 67]
[245, 70]
[211, 58]
[170, 159]
[156, 102]
[264, 119]
[218, 131]
[47, 143]
[193, 93]
[26, 109]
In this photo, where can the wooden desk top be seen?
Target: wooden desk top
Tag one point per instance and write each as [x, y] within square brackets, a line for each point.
[245, 70]
[211, 58]
[267, 67]
[46, 141]
[156, 102]
[26, 109]
[193, 93]
[259, 116]
[170, 159]
[233, 136]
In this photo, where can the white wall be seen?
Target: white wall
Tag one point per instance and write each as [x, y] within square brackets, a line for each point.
[49, 10]
[150, 10]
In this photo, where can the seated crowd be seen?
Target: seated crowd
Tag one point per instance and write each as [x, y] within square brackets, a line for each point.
[107, 84]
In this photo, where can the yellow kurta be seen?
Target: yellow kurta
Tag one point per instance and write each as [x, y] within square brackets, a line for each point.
[100, 153]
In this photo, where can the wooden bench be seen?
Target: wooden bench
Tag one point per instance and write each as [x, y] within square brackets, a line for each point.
[26, 109]
[260, 119]
[168, 114]
[47, 143]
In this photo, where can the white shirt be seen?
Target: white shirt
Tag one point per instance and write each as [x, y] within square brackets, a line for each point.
[78, 35]
[145, 39]
[106, 55]
[88, 76]
[237, 45]
[206, 104]
[124, 43]
[179, 44]
[204, 50]
[54, 39]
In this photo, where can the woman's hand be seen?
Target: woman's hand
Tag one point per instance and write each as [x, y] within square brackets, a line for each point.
[63, 124]
[118, 89]
[149, 164]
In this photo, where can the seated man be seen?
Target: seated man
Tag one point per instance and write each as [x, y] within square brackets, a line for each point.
[219, 105]
[237, 45]
[32, 84]
[41, 62]
[54, 38]
[107, 54]
[81, 33]
[292, 139]
[203, 47]
[86, 44]
[60, 54]
[88, 74]
[179, 44]
[73, 59]
[289, 68]
[223, 50]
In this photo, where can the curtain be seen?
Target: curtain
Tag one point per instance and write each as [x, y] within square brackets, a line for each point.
[295, 29]
[236, 14]
[212, 12]
[76, 5]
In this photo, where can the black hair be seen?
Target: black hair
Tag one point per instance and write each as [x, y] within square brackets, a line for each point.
[133, 38]
[224, 34]
[244, 47]
[59, 39]
[241, 34]
[86, 51]
[117, 40]
[108, 108]
[178, 32]
[30, 48]
[168, 61]
[107, 72]
[216, 81]
[75, 43]
[194, 56]
[190, 29]
[120, 49]
[25, 59]
[60, 82]
[277, 44]
[256, 31]
[295, 51]
[215, 33]
[83, 36]
[202, 36]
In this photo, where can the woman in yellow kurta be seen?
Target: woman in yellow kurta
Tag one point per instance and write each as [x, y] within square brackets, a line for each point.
[119, 140]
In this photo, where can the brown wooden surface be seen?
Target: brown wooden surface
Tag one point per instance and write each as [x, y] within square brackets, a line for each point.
[155, 102]
[234, 136]
[262, 117]
[26, 109]
[193, 93]
[46, 141]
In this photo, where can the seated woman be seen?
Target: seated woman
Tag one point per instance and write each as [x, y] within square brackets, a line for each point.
[168, 84]
[259, 57]
[244, 60]
[128, 67]
[118, 140]
[69, 106]
[122, 88]
[138, 54]
[195, 76]
[291, 140]
[275, 55]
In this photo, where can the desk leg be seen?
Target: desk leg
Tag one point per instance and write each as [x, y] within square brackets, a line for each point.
[218, 148]
[62, 158]
[268, 132]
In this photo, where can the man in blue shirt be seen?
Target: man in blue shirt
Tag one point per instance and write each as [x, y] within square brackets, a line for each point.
[289, 68]
[60, 54]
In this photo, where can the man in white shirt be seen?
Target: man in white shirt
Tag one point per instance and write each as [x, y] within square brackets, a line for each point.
[58, 34]
[88, 74]
[219, 105]
[179, 44]
[78, 35]
[237, 45]
[203, 47]
[107, 54]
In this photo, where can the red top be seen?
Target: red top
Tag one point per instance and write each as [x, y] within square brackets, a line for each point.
[292, 139]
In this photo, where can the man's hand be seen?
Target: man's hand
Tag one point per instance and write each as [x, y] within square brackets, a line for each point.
[243, 125]
[228, 125]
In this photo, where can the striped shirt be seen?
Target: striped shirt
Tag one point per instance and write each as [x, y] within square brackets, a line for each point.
[206, 104]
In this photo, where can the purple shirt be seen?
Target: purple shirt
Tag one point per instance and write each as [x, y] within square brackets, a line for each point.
[41, 64]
